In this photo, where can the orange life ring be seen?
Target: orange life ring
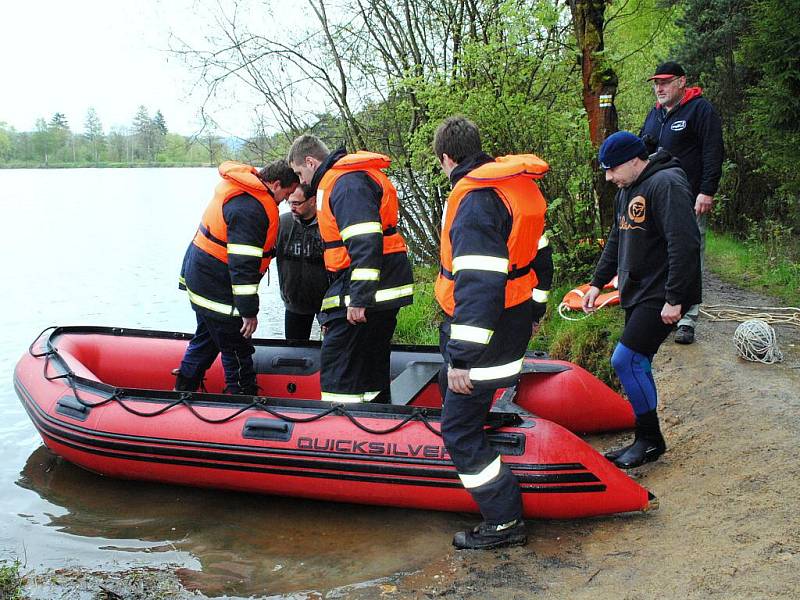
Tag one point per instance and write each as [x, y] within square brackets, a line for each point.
[573, 298]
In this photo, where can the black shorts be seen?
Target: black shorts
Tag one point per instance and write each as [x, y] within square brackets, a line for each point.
[644, 330]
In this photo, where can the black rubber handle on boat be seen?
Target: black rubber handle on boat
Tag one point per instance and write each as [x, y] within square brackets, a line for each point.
[267, 429]
[285, 361]
[71, 407]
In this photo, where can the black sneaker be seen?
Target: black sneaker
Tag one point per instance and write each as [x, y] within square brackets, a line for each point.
[485, 537]
[684, 335]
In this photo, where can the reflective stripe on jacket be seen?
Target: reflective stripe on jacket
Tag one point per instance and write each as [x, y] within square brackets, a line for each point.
[226, 260]
[352, 213]
[511, 177]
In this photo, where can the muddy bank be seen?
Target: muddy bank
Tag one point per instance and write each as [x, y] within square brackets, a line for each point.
[726, 526]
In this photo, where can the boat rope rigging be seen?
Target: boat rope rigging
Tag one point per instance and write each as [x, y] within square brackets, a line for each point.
[257, 403]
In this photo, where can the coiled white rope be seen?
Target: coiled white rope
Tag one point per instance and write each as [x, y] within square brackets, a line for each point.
[755, 341]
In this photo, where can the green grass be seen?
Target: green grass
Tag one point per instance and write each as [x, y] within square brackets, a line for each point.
[11, 581]
[767, 268]
[419, 323]
[772, 269]
[587, 342]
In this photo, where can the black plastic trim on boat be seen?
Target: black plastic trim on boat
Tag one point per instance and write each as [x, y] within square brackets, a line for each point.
[543, 368]
[289, 361]
[70, 407]
[318, 461]
[527, 487]
[267, 429]
[286, 360]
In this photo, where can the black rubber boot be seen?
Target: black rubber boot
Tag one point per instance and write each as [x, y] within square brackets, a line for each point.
[185, 384]
[613, 455]
[485, 537]
[648, 445]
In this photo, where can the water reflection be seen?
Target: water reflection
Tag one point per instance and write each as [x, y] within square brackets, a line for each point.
[234, 543]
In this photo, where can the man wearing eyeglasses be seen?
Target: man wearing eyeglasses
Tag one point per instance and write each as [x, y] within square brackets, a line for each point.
[687, 126]
[301, 268]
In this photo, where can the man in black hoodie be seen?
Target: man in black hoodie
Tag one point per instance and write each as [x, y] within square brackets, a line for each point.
[654, 248]
[686, 124]
[301, 269]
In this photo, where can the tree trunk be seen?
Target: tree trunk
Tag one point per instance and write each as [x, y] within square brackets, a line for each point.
[599, 89]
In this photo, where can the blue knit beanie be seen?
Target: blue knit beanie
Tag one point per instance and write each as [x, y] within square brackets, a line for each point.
[620, 147]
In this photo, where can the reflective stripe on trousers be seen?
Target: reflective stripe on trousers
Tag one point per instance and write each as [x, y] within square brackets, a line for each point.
[212, 305]
[384, 295]
[488, 480]
[483, 477]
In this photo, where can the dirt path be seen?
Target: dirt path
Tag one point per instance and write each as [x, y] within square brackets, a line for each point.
[729, 489]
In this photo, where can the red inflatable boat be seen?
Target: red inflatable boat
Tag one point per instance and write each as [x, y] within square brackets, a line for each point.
[99, 397]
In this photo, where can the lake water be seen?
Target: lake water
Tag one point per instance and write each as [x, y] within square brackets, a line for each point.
[104, 247]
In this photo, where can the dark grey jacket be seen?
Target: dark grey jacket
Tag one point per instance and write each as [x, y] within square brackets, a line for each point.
[301, 269]
[654, 245]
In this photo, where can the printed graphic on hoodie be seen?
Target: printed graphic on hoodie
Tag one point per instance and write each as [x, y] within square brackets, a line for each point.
[637, 209]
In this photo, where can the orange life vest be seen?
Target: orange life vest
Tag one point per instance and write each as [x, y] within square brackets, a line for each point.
[212, 235]
[573, 299]
[511, 177]
[335, 254]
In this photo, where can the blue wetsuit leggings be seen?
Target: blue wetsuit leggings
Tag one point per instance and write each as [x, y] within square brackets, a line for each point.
[632, 358]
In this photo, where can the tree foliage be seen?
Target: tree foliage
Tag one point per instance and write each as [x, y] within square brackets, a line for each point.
[771, 53]
[747, 57]
[147, 140]
[93, 132]
[381, 74]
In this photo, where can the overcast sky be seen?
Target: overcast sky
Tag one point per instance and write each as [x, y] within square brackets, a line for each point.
[67, 55]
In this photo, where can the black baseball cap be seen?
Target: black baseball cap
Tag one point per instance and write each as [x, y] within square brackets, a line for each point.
[667, 70]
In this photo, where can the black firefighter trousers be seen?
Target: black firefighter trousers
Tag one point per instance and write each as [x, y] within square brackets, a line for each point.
[220, 336]
[355, 358]
[492, 485]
